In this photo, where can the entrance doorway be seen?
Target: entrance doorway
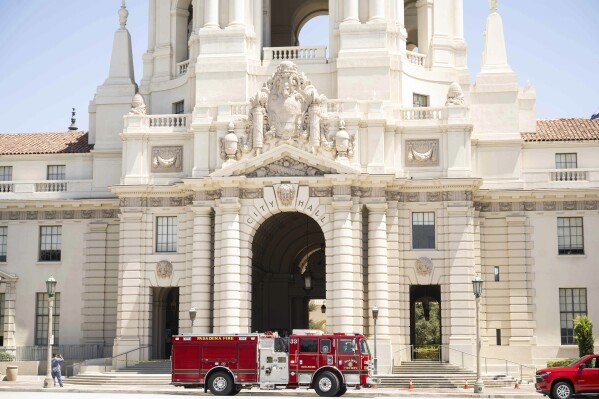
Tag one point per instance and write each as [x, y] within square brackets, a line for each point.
[165, 320]
[288, 274]
[425, 321]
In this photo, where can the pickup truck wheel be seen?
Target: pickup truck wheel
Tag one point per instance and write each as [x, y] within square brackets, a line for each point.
[326, 384]
[562, 390]
[220, 384]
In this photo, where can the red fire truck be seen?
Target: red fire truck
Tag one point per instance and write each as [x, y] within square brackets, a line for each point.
[227, 363]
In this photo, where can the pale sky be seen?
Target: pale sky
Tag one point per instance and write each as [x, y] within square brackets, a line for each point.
[56, 52]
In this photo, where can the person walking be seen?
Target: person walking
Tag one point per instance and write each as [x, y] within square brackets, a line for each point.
[56, 361]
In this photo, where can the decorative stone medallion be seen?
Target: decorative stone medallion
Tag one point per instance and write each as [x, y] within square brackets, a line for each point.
[167, 159]
[164, 269]
[286, 193]
[424, 266]
[422, 153]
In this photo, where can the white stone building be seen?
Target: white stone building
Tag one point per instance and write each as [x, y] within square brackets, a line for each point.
[246, 163]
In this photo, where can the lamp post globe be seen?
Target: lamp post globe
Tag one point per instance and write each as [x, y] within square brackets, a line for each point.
[477, 289]
[50, 290]
[192, 317]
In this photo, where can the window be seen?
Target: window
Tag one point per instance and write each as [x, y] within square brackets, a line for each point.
[566, 161]
[56, 172]
[572, 303]
[166, 234]
[496, 273]
[308, 345]
[5, 173]
[325, 346]
[179, 107]
[423, 230]
[50, 243]
[1, 319]
[3, 245]
[41, 318]
[570, 240]
[347, 345]
[420, 100]
[498, 336]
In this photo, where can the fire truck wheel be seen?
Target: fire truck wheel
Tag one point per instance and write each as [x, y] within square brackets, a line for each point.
[236, 390]
[326, 384]
[342, 391]
[221, 384]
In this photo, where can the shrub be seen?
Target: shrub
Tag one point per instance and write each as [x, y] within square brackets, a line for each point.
[559, 362]
[6, 357]
[583, 335]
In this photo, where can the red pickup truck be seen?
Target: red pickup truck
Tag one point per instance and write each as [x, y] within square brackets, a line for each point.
[581, 376]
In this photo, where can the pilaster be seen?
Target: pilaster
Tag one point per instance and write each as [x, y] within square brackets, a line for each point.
[201, 265]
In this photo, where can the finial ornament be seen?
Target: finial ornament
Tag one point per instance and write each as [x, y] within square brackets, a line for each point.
[493, 4]
[123, 14]
[73, 120]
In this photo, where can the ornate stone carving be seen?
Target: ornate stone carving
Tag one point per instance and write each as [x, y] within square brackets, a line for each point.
[434, 196]
[286, 193]
[505, 206]
[87, 214]
[254, 193]
[529, 206]
[167, 159]
[477, 206]
[14, 215]
[50, 215]
[108, 213]
[175, 201]
[590, 205]
[164, 269]
[469, 195]
[124, 202]
[31, 215]
[412, 197]
[287, 167]
[455, 95]
[422, 152]
[138, 105]
[188, 200]
[229, 146]
[424, 266]
[155, 202]
[361, 192]
[493, 4]
[549, 205]
[287, 110]
[68, 214]
[393, 196]
[321, 191]
[485, 207]
[569, 205]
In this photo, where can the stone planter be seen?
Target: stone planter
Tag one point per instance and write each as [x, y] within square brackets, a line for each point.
[11, 373]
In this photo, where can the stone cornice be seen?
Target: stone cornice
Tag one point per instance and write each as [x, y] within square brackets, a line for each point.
[45, 215]
[536, 206]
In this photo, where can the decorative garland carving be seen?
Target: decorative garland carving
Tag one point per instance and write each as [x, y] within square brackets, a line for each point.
[167, 159]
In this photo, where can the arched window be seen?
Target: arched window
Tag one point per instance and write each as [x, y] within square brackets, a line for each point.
[314, 32]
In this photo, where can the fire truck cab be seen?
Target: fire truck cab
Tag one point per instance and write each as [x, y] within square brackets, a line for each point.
[225, 364]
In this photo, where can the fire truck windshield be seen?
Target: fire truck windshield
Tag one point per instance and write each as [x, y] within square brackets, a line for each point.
[364, 347]
[282, 345]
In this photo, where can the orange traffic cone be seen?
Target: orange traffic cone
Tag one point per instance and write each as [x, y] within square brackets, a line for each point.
[517, 386]
[411, 386]
[466, 385]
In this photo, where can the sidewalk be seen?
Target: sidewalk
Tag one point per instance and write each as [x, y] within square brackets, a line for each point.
[35, 384]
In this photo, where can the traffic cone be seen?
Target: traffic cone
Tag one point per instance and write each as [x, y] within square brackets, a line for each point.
[411, 386]
[466, 385]
[517, 386]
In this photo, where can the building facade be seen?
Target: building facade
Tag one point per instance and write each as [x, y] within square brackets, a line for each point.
[246, 176]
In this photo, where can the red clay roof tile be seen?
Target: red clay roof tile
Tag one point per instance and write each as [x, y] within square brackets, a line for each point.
[45, 143]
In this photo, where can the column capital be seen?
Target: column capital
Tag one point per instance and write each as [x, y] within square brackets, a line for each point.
[201, 210]
[377, 207]
[342, 205]
[229, 207]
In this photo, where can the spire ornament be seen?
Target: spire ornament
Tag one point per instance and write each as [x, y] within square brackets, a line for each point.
[123, 14]
[493, 4]
[73, 126]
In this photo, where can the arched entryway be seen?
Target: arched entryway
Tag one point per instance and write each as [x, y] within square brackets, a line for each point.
[288, 17]
[288, 274]
[165, 320]
[425, 321]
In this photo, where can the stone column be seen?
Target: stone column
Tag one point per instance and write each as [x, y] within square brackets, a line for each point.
[344, 301]
[350, 11]
[228, 285]
[236, 13]
[400, 13]
[425, 24]
[201, 269]
[211, 14]
[458, 10]
[376, 11]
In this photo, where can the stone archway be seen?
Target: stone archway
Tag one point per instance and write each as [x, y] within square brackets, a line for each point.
[425, 321]
[285, 249]
[289, 16]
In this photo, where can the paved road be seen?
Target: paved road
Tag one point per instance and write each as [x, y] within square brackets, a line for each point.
[76, 395]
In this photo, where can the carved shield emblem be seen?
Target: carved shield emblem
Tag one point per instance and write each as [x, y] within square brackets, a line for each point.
[164, 269]
[286, 194]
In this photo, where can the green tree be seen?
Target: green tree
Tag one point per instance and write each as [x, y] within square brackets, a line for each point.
[583, 335]
[428, 332]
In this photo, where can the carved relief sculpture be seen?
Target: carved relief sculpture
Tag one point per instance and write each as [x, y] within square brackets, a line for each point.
[286, 193]
[229, 146]
[424, 266]
[286, 167]
[167, 159]
[164, 269]
[455, 95]
[138, 105]
[422, 152]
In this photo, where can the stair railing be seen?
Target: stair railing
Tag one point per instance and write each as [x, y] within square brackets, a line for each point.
[126, 354]
[513, 369]
[402, 349]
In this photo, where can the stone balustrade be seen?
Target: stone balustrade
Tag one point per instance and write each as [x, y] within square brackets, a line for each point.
[28, 189]
[51, 187]
[181, 68]
[569, 175]
[416, 58]
[422, 113]
[6, 187]
[297, 54]
[239, 108]
[175, 122]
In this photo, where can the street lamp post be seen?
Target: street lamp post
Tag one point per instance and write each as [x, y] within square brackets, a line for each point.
[375, 315]
[50, 287]
[477, 287]
[192, 317]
